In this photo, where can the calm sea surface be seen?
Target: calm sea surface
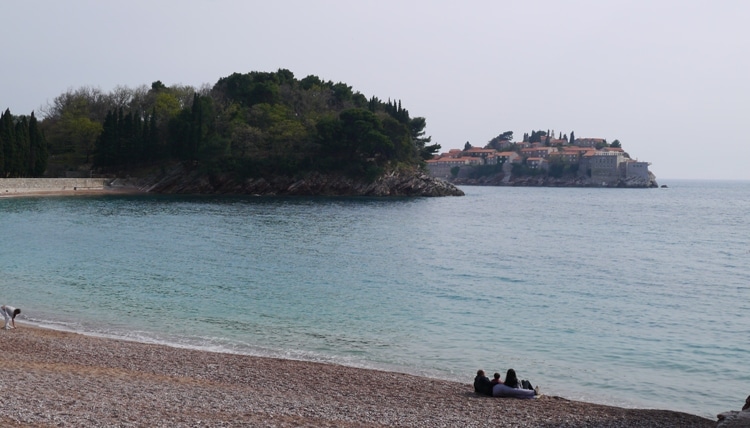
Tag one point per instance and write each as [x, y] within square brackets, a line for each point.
[628, 297]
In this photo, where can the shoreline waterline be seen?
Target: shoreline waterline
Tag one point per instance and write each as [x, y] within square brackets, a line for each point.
[79, 377]
[197, 344]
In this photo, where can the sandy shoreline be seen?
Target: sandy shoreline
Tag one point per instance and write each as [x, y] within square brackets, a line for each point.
[53, 378]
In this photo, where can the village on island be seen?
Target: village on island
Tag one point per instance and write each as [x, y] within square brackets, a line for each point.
[540, 160]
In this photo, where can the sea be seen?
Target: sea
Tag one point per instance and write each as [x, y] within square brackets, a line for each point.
[628, 297]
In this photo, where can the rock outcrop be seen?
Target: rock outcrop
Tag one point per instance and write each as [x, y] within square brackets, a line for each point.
[190, 179]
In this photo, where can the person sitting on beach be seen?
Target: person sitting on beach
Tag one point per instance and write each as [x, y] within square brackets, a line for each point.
[9, 313]
[512, 381]
[496, 379]
[482, 384]
[510, 388]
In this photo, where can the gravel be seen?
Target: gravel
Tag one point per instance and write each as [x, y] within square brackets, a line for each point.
[53, 378]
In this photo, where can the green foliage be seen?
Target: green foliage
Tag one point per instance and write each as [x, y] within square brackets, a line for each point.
[20, 161]
[536, 136]
[251, 88]
[7, 138]
[38, 154]
[426, 151]
[127, 140]
[253, 124]
[495, 142]
[486, 170]
[74, 120]
[341, 94]
[556, 167]
[403, 145]
[23, 148]
[354, 141]
[616, 144]
[166, 104]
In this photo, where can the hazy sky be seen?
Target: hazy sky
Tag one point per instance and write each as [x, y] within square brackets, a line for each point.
[669, 79]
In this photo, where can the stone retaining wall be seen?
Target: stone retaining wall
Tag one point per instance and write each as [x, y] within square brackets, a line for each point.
[30, 185]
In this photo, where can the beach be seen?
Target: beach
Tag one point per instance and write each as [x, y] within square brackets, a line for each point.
[56, 378]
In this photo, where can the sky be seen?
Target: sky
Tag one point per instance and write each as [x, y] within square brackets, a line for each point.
[669, 79]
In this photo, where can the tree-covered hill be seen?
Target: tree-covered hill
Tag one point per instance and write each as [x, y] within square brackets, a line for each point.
[257, 124]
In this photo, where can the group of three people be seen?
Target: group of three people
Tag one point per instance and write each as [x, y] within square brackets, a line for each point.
[512, 387]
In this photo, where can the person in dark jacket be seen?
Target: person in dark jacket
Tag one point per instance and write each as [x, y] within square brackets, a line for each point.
[482, 384]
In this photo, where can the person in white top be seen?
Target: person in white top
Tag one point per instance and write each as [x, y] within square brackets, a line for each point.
[9, 313]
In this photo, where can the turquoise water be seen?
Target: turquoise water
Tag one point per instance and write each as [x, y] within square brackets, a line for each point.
[628, 297]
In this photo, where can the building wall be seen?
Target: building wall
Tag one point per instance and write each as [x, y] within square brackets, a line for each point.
[605, 169]
[30, 185]
[636, 170]
[439, 170]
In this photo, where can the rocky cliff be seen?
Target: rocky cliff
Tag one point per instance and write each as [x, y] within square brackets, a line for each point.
[191, 179]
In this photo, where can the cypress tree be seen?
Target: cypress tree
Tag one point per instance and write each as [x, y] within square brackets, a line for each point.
[38, 154]
[153, 138]
[128, 130]
[2, 144]
[7, 135]
[137, 138]
[106, 144]
[150, 146]
[21, 150]
[145, 146]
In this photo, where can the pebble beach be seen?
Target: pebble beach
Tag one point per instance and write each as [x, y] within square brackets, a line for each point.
[56, 378]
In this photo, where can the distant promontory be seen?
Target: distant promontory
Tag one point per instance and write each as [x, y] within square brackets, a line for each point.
[541, 160]
[270, 133]
[265, 133]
